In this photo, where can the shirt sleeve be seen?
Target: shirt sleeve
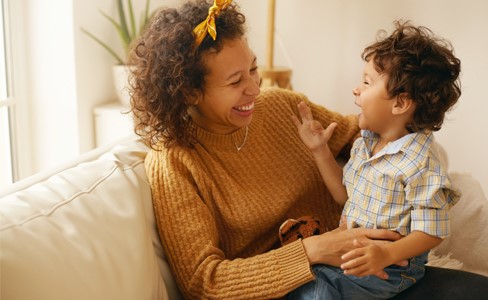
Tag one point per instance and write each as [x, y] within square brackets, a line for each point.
[432, 195]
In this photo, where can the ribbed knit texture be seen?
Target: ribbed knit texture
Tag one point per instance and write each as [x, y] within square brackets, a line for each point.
[218, 209]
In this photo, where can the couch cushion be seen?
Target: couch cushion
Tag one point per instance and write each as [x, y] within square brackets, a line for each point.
[84, 233]
[468, 242]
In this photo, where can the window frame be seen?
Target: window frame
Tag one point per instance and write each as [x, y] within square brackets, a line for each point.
[14, 16]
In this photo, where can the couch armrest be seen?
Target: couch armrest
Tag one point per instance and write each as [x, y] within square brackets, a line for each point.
[82, 232]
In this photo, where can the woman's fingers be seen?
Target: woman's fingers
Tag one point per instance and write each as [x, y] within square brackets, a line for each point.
[381, 234]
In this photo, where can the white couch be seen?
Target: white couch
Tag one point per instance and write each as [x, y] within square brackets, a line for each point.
[86, 230]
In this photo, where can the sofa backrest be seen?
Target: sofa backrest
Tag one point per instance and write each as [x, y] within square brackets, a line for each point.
[84, 232]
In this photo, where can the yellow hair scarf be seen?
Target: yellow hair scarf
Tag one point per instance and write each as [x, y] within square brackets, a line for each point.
[208, 25]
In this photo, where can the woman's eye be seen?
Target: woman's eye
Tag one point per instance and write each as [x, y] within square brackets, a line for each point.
[254, 69]
[236, 82]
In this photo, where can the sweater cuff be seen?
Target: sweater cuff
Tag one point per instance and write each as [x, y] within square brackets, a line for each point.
[295, 267]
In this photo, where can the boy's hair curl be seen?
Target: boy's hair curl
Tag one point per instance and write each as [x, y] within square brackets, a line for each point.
[422, 66]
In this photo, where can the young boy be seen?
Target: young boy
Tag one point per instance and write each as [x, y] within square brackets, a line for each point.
[394, 179]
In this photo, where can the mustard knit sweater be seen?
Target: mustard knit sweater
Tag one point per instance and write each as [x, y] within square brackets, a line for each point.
[218, 210]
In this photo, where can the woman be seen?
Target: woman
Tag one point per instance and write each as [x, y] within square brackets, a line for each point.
[227, 165]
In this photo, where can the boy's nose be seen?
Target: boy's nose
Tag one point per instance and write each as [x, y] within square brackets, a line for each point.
[355, 91]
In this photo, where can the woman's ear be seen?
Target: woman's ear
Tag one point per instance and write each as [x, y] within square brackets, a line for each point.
[403, 104]
[197, 99]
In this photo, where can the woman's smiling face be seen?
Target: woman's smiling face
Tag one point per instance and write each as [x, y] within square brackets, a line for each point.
[231, 87]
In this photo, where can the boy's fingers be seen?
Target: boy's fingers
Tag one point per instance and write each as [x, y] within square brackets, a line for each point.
[305, 111]
[296, 121]
[330, 129]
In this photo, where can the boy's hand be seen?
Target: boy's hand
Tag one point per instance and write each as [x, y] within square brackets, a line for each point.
[366, 260]
[313, 135]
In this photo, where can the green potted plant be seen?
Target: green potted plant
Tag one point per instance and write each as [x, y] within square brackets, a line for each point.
[126, 28]
[128, 31]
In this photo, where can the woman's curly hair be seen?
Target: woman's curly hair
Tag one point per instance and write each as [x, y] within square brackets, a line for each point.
[168, 73]
[421, 65]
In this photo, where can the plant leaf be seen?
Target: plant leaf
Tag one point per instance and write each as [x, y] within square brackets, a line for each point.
[146, 13]
[123, 25]
[144, 17]
[105, 46]
[132, 20]
[122, 28]
[124, 35]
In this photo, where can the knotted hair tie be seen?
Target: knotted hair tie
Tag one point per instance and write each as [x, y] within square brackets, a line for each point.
[208, 25]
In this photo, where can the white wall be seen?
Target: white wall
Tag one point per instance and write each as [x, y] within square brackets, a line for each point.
[67, 74]
[323, 39]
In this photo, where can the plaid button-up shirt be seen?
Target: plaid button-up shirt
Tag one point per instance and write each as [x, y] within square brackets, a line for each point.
[403, 187]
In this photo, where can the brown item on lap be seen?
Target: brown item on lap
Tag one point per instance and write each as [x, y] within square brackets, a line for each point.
[303, 227]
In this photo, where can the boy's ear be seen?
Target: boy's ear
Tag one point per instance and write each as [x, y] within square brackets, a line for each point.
[403, 103]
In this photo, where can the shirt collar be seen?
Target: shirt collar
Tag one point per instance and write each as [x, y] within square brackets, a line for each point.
[422, 137]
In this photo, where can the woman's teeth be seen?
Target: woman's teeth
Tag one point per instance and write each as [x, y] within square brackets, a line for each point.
[247, 107]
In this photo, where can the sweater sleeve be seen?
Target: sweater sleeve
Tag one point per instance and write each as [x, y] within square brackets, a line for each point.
[190, 238]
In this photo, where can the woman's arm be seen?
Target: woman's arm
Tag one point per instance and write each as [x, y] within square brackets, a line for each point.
[328, 248]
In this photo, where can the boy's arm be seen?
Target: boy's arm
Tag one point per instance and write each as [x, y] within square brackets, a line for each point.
[315, 137]
[331, 173]
[370, 260]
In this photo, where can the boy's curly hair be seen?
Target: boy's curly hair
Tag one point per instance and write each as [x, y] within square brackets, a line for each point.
[168, 73]
[421, 65]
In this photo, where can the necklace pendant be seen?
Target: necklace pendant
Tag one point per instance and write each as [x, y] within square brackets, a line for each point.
[239, 147]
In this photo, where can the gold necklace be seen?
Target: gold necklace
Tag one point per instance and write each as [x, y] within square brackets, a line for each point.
[243, 142]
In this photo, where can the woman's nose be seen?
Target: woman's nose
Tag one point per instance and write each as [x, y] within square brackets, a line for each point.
[253, 85]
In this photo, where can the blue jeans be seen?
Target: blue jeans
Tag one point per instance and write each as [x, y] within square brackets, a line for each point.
[332, 283]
